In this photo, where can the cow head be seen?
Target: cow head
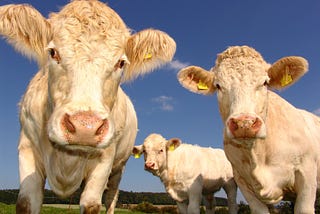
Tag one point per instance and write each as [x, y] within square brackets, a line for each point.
[155, 149]
[85, 50]
[241, 79]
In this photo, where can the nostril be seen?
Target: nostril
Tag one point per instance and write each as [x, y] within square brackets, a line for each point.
[233, 124]
[103, 128]
[68, 124]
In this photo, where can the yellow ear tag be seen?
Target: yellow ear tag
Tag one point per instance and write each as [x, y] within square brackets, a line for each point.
[171, 147]
[286, 79]
[137, 155]
[202, 86]
[148, 55]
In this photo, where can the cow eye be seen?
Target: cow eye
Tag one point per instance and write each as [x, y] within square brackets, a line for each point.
[217, 86]
[160, 151]
[120, 64]
[265, 83]
[54, 55]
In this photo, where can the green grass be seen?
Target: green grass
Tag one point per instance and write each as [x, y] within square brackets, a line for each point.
[10, 209]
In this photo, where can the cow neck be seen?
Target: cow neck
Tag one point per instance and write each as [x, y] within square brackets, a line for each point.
[163, 172]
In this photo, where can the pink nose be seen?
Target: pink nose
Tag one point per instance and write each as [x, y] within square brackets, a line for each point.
[149, 165]
[84, 128]
[244, 126]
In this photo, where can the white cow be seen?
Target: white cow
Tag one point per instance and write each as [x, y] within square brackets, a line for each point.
[188, 172]
[274, 148]
[77, 124]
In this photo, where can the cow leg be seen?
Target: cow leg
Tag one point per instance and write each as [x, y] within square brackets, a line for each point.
[31, 180]
[306, 187]
[182, 207]
[90, 201]
[113, 191]
[210, 203]
[231, 190]
[256, 206]
[195, 195]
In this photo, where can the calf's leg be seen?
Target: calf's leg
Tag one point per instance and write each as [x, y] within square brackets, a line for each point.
[210, 203]
[182, 207]
[231, 190]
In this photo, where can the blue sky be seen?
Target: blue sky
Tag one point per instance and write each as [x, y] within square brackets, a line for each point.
[201, 29]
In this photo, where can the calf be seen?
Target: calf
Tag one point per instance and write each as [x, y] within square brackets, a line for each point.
[274, 148]
[189, 171]
[77, 124]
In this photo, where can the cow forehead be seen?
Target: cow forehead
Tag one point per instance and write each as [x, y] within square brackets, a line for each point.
[241, 64]
[154, 141]
[88, 27]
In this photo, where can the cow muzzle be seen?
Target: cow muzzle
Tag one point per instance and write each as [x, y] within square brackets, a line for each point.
[245, 127]
[84, 128]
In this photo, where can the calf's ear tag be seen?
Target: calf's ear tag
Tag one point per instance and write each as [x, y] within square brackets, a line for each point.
[202, 86]
[171, 147]
[137, 155]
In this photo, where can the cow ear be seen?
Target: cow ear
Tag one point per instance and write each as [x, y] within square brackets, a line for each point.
[287, 71]
[137, 151]
[173, 143]
[147, 50]
[197, 80]
[26, 29]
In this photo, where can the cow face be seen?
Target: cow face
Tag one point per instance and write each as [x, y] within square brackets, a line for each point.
[89, 51]
[241, 79]
[155, 149]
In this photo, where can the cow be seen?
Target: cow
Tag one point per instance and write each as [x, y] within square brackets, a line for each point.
[78, 126]
[188, 172]
[274, 147]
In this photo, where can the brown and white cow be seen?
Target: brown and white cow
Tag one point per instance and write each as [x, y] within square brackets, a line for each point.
[274, 148]
[77, 124]
[189, 172]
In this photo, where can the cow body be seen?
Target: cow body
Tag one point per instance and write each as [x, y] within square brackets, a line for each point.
[189, 171]
[77, 124]
[273, 147]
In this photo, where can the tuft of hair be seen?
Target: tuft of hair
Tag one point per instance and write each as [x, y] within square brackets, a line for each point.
[239, 51]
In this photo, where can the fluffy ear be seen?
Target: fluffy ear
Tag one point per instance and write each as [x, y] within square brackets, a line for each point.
[26, 29]
[173, 143]
[287, 71]
[137, 151]
[197, 80]
[147, 50]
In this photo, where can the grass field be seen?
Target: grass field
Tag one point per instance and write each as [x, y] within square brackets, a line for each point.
[58, 209]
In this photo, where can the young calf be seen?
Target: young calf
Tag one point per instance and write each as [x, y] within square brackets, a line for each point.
[189, 171]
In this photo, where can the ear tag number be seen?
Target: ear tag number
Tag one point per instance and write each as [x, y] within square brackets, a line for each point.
[202, 86]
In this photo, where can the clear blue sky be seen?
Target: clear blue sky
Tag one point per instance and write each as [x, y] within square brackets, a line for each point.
[201, 29]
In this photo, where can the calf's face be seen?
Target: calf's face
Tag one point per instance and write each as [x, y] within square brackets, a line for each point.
[155, 149]
[241, 79]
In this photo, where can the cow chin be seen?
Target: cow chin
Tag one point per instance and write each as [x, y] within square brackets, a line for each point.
[246, 140]
[155, 172]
